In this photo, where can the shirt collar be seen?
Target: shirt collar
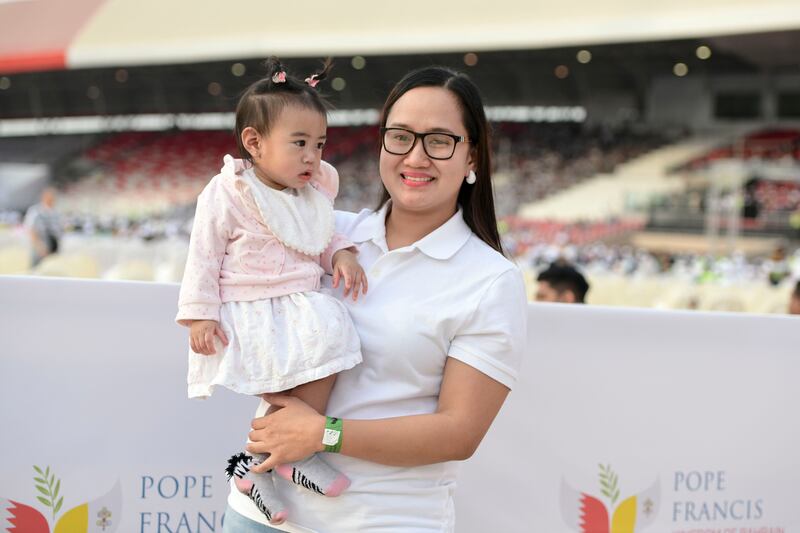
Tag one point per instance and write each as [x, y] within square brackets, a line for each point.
[441, 243]
[372, 228]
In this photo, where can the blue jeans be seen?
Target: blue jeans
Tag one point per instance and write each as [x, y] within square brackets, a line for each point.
[236, 523]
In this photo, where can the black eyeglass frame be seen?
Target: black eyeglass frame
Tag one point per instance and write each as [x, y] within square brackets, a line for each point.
[456, 138]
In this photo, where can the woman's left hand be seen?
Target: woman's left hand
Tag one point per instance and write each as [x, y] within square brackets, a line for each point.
[290, 434]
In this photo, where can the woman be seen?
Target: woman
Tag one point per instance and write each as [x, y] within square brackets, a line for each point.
[442, 329]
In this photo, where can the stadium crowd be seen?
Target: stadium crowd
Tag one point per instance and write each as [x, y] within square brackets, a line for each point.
[133, 190]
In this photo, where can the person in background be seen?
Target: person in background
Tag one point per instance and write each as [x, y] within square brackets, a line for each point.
[44, 225]
[778, 266]
[794, 301]
[561, 283]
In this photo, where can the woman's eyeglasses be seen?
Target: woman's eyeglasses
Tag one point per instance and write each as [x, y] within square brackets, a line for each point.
[437, 145]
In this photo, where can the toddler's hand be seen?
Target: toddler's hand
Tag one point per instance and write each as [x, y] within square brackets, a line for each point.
[345, 265]
[201, 336]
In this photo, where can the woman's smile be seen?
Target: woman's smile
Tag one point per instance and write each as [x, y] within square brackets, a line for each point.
[416, 179]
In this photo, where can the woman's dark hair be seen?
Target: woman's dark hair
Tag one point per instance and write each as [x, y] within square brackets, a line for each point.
[265, 99]
[476, 200]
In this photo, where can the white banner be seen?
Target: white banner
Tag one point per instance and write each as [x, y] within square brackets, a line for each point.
[624, 420]
[92, 385]
[629, 420]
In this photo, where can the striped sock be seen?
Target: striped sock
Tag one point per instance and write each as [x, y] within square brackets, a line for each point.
[316, 475]
[258, 487]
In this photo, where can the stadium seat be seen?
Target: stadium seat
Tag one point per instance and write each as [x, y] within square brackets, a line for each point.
[15, 260]
[68, 265]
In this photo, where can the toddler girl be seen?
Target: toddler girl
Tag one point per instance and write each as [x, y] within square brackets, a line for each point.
[263, 235]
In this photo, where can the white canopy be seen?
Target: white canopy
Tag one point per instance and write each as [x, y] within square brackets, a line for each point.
[137, 32]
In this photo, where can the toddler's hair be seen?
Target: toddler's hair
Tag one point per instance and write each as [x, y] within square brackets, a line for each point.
[262, 103]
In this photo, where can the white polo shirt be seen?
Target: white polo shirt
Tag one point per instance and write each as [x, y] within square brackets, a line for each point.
[448, 294]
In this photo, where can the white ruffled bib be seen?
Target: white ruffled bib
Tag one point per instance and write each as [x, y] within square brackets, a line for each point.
[302, 219]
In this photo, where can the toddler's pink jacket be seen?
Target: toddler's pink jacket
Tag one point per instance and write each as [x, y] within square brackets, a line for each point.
[234, 257]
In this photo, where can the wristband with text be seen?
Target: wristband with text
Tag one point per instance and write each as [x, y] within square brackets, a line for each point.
[332, 438]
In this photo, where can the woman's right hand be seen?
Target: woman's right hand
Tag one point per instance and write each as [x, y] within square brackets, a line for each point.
[201, 336]
[290, 434]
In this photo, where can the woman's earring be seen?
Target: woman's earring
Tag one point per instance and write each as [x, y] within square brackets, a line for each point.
[471, 177]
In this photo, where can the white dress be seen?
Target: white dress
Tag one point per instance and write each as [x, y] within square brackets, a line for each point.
[278, 343]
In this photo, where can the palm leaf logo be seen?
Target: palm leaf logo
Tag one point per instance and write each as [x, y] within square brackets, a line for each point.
[100, 514]
[585, 513]
[49, 488]
[608, 483]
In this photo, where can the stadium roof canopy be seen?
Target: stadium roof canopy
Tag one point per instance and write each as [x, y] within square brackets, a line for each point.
[38, 35]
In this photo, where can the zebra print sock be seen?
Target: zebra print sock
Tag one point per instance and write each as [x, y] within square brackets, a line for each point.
[258, 487]
[238, 465]
[316, 475]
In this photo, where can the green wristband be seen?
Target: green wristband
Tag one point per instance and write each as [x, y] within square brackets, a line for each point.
[332, 438]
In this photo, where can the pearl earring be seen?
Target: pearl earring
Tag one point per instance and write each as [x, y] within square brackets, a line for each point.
[471, 177]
